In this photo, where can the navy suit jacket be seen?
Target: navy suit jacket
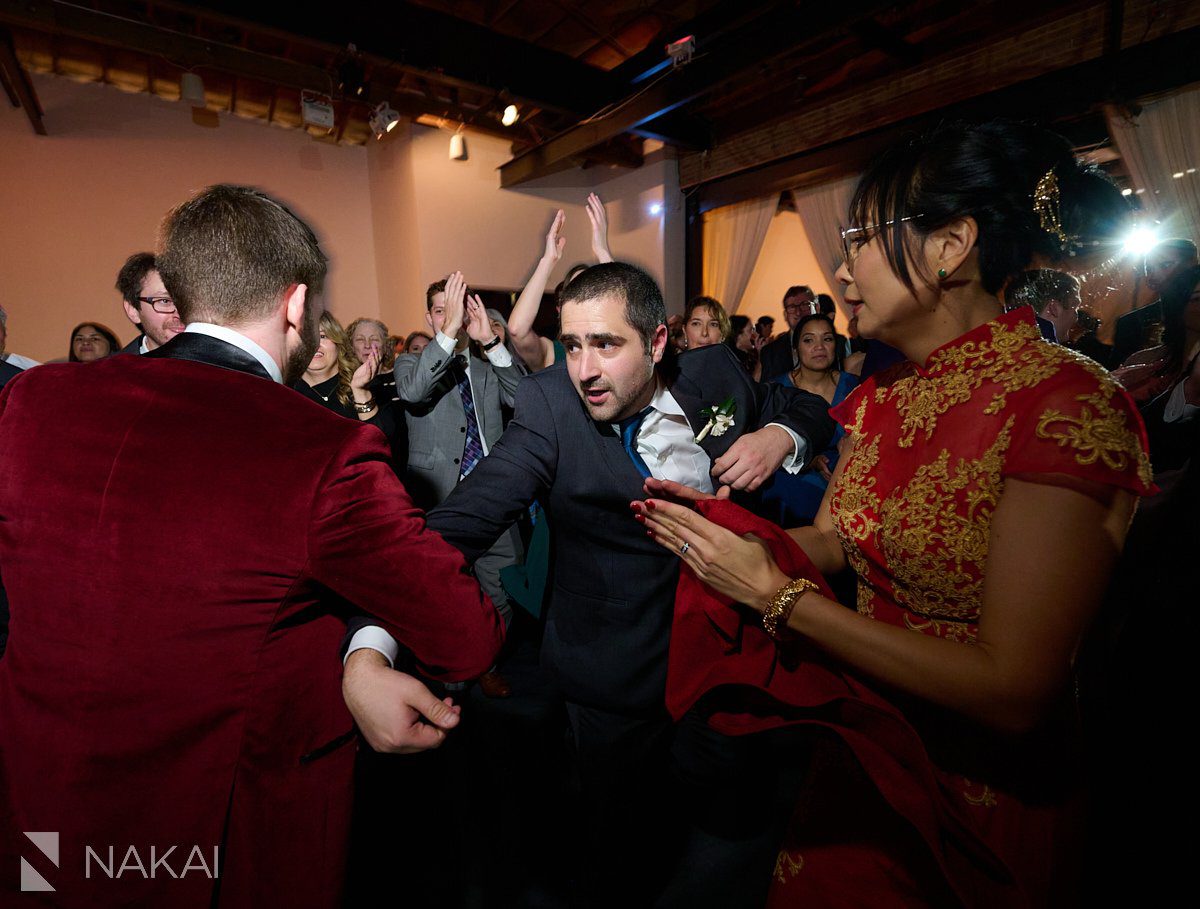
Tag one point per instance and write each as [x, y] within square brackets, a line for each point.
[612, 589]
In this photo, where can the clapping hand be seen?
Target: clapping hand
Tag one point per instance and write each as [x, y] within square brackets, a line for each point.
[479, 327]
[599, 218]
[456, 289]
[367, 370]
[555, 241]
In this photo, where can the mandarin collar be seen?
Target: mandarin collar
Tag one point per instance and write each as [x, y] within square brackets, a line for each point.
[1020, 322]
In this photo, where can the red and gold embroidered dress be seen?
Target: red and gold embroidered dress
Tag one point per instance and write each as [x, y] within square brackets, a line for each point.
[932, 448]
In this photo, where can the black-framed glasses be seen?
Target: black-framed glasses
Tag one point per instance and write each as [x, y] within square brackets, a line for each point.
[854, 238]
[159, 304]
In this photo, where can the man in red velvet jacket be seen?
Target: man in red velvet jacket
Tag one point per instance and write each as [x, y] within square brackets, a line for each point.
[172, 731]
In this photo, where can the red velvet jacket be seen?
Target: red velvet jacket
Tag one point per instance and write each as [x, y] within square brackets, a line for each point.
[173, 543]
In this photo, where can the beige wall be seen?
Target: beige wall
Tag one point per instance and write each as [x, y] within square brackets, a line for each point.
[76, 203]
[393, 217]
[433, 215]
[787, 258]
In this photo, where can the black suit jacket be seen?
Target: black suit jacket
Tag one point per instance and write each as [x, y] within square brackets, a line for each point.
[8, 372]
[613, 589]
[778, 357]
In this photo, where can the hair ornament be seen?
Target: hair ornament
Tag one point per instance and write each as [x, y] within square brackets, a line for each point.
[1047, 203]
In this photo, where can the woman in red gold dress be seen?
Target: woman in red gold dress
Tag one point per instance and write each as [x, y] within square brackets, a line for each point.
[982, 500]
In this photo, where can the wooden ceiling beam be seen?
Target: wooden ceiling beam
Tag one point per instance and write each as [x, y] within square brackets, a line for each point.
[18, 83]
[182, 50]
[763, 39]
[1146, 69]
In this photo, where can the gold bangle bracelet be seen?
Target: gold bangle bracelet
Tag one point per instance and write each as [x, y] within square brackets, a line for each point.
[779, 610]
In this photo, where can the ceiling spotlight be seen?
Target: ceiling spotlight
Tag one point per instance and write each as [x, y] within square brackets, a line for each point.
[383, 119]
[511, 115]
[1140, 241]
[656, 208]
[458, 146]
[191, 89]
[1127, 191]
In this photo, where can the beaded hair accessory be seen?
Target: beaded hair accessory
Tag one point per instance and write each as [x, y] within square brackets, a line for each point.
[1047, 201]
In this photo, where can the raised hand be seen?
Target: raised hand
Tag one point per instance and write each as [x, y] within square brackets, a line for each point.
[479, 327]
[456, 289]
[599, 218]
[555, 241]
[367, 370]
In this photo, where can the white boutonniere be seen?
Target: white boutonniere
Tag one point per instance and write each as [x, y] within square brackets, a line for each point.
[720, 418]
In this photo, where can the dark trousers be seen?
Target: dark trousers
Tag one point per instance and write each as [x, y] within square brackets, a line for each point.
[677, 814]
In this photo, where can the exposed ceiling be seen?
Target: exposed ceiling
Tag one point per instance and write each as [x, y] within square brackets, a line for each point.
[769, 80]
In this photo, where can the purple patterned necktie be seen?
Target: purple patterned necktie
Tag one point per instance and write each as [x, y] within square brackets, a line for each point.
[473, 449]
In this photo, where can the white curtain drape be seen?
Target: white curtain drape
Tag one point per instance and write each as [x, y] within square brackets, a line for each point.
[733, 238]
[822, 211]
[1161, 149]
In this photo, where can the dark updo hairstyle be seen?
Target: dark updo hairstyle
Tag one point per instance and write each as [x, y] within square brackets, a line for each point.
[987, 172]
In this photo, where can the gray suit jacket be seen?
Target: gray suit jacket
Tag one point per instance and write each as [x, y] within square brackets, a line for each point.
[437, 426]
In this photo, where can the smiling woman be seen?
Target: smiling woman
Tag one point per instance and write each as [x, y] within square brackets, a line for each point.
[92, 341]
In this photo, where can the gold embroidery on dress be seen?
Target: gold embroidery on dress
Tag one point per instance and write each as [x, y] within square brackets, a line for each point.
[954, 374]
[934, 534]
[985, 798]
[1099, 433]
[786, 866]
[852, 504]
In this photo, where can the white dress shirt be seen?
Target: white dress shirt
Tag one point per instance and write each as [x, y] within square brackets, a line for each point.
[666, 443]
[1178, 410]
[498, 356]
[18, 361]
[238, 340]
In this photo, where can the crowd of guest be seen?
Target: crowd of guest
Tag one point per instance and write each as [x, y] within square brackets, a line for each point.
[978, 475]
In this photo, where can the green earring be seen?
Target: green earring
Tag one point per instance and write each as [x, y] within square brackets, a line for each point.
[942, 273]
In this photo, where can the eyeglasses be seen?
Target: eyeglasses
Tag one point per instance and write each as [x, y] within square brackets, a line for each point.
[855, 238]
[159, 304]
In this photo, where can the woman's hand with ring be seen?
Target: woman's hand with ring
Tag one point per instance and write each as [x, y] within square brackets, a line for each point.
[741, 568]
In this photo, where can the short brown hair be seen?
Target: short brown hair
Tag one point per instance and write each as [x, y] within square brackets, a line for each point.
[131, 276]
[437, 287]
[231, 251]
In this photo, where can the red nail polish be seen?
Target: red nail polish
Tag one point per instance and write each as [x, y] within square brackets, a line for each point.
[640, 517]
[650, 534]
[650, 504]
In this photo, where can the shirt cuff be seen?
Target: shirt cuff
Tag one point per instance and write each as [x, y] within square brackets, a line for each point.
[445, 342]
[373, 638]
[1178, 410]
[499, 356]
[794, 463]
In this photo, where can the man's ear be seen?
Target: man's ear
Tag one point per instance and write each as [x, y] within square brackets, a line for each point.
[429, 319]
[658, 343]
[131, 312]
[295, 298]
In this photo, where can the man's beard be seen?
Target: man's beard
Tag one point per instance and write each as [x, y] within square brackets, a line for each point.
[310, 340]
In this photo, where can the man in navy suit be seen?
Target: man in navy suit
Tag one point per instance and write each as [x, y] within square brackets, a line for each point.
[582, 441]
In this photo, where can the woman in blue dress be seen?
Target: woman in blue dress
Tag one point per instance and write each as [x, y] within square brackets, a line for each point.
[792, 500]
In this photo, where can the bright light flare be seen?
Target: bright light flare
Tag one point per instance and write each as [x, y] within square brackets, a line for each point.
[656, 208]
[511, 115]
[1140, 241]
